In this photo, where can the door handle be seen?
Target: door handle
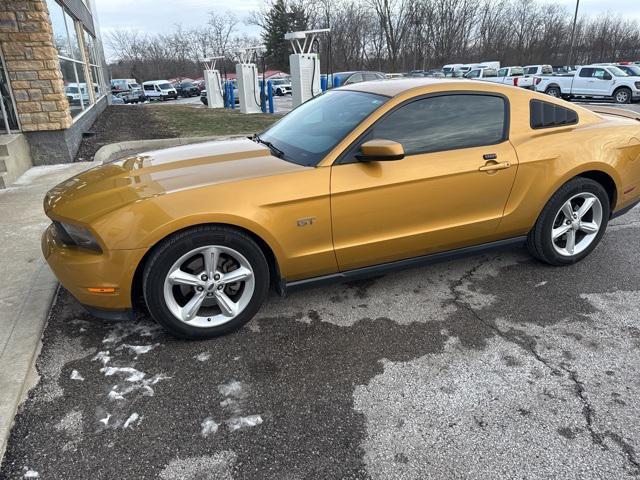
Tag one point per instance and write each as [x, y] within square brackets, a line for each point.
[493, 166]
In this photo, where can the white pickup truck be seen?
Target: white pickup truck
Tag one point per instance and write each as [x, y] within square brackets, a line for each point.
[591, 81]
[507, 76]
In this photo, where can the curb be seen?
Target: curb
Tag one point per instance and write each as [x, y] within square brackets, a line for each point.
[23, 376]
[110, 152]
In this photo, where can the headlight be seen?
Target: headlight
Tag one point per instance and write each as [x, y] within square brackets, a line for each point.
[77, 235]
[638, 85]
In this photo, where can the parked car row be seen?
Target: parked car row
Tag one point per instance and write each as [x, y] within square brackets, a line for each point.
[620, 83]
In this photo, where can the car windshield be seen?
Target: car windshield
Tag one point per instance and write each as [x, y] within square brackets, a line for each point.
[313, 129]
[616, 72]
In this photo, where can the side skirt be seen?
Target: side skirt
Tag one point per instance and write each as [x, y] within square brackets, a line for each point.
[365, 272]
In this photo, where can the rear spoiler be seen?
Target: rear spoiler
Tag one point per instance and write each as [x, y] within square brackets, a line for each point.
[618, 112]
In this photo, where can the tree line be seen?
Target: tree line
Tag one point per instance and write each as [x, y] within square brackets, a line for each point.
[387, 35]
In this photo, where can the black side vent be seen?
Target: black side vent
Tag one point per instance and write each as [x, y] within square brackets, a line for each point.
[547, 115]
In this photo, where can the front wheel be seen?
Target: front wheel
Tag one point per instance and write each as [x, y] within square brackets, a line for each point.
[622, 95]
[205, 282]
[571, 224]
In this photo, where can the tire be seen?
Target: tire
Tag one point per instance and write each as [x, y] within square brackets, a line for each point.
[553, 92]
[279, 93]
[164, 298]
[553, 217]
[622, 95]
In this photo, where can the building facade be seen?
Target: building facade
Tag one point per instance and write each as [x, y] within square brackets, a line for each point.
[52, 81]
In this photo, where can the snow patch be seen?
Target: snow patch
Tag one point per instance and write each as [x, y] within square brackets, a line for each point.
[131, 374]
[232, 389]
[31, 474]
[203, 357]
[243, 422]
[541, 284]
[209, 427]
[105, 420]
[138, 349]
[75, 375]
[133, 418]
[102, 357]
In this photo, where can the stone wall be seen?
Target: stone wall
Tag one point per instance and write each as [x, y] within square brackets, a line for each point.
[31, 59]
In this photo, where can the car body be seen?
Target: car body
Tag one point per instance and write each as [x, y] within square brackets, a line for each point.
[630, 69]
[347, 78]
[128, 89]
[359, 180]
[117, 99]
[592, 81]
[392, 76]
[533, 70]
[281, 86]
[450, 68]
[187, 89]
[75, 91]
[159, 90]
[507, 75]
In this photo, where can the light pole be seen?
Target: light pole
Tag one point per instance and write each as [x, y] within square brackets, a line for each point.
[573, 33]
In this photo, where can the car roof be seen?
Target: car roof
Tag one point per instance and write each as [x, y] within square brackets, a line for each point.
[399, 86]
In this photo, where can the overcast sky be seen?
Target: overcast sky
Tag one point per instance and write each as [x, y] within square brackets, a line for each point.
[155, 16]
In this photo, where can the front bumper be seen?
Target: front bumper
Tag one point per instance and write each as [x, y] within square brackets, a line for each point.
[78, 270]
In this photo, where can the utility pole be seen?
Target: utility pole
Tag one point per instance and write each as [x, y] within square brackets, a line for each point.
[573, 33]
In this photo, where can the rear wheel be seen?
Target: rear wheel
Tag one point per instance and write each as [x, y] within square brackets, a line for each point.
[553, 92]
[571, 224]
[622, 95]
[205, 282]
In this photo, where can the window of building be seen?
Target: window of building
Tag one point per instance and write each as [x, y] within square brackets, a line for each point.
[8, 117]
[81, 71]
[546, 115]
[445, 122]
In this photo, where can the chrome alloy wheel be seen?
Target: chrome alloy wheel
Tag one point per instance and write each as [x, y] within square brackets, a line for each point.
[577, 224]
[209, 286]
[622, 96]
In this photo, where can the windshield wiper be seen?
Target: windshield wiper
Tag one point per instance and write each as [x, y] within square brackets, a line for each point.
[274, 150]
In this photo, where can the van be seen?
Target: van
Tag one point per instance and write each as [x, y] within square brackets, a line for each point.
[159, 90]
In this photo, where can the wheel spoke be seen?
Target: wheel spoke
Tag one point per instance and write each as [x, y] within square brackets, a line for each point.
[180, 277]
[567, 209]
[211, 259]
[589, 227]
[559, 231]
[227, 306]
[586, 206]
[571, 241]
[190, 310]
[237, 275]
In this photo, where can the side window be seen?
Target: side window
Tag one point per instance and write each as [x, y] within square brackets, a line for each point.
[446, 122]
[502, 72]
[599, 73]
[370, 76]
[473, 74]
[355, 78]
[489, 73]
[586, 72]
[547, 115]
[148, 88]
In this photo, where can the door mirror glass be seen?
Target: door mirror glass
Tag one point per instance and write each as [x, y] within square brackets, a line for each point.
[380, 151]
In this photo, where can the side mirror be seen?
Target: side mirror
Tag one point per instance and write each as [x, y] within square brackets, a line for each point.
[380, 151]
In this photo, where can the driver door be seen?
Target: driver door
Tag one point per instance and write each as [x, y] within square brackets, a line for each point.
[449, 191]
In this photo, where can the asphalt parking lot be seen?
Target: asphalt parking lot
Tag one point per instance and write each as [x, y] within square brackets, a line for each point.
[281, 105]
[493, 366]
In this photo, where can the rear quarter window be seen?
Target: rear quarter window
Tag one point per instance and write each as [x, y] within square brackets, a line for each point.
[549, 115]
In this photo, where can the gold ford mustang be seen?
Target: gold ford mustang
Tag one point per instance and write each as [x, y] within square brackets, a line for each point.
[362, 179]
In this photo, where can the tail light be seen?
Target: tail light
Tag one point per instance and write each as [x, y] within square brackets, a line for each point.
[538, 80]
[515, 82]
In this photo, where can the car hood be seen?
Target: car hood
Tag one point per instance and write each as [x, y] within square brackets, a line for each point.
[108, 187]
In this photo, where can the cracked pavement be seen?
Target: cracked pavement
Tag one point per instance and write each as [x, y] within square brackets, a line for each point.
[492, 366]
